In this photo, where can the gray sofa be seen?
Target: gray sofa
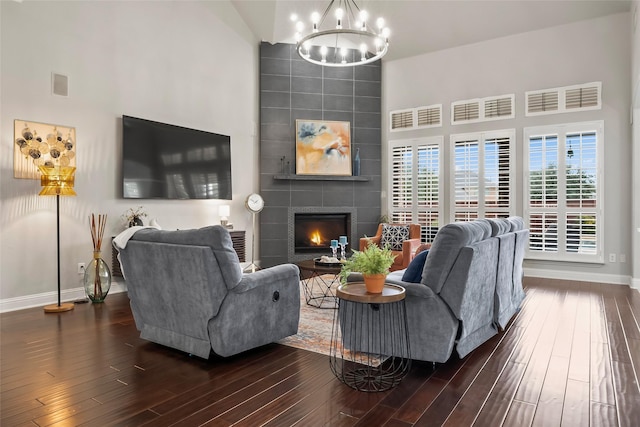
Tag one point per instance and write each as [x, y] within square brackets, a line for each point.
[471, 285]
[187, 291]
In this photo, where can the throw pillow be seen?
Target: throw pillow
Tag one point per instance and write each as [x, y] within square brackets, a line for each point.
[413, 273]
[394, 235]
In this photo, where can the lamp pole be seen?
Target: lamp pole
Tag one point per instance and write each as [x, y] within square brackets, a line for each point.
[66, 306]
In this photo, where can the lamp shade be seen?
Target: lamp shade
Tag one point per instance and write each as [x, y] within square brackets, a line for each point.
[57, 180]
[224, 210]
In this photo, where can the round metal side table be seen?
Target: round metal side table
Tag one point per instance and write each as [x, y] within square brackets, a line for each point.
[370, 348]
[317, 281]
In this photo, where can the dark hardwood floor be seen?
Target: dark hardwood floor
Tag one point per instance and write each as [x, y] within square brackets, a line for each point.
[570, 357]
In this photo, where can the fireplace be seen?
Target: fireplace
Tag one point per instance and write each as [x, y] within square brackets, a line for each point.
[313, 232]
[330, 223]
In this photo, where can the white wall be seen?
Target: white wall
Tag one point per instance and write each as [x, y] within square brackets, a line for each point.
[177, 62]
[635, 87]
[594, 50]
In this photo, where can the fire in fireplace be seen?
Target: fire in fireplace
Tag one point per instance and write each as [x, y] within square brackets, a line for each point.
[314, 231]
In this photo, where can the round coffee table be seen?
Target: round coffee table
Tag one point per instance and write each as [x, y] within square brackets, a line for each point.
[370, 342]
[317, 281]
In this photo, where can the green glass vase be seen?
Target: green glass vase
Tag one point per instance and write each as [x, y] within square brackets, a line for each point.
[97, 279]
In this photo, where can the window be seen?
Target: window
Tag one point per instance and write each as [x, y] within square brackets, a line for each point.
[415, 186]
[481, 175]
[483, 109]
[416, 118]
[564, 99]
[562, 176]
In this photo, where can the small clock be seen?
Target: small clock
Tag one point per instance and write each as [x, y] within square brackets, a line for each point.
[254, 202]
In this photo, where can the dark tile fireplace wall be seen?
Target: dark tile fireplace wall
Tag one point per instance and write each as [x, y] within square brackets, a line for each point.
[290, 89]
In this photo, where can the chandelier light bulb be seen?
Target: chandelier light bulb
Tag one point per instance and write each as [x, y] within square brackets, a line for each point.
[385, 33]
[378, 44]
[339, 15]
[350, 24]
[293, 17]
[364, 15]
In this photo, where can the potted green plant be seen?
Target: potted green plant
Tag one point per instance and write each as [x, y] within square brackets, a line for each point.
[373, 262]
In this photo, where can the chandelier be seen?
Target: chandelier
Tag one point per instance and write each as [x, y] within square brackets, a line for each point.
[349, 43]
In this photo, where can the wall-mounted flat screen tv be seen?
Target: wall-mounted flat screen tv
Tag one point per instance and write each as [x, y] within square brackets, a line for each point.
[163, 161]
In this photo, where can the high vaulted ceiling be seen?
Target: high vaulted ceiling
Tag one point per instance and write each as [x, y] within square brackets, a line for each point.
[422, 26]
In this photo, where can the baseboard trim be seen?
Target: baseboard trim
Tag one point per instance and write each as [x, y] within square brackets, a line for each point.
[66, 295]
[635, 284]
[582, 276]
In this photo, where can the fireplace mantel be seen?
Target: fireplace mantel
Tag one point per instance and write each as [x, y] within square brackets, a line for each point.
[321, 178]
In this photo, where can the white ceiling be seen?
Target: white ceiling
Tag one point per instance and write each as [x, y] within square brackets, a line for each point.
[421, 26]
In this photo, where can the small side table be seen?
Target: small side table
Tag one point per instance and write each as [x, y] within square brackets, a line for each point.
[317, 288]
[370, 348]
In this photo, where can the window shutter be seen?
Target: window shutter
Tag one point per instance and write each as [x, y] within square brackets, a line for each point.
[481, 173]
[496, 108]
[497, 175]
[564, 99]
[401, 119]
[465, 111]
[483, 109]
[582, 97]
[562, 187]
[466, 180]
[542, 102]
[401, 177]
[429, 116]
[415, 183]
[416, 118]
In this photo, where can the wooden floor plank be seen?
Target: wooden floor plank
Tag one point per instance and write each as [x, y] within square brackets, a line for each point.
[550, 404]
[569, 357]
[520, 414]
[575, 411]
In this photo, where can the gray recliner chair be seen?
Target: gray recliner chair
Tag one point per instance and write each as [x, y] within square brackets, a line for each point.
[187, 291]
[513, 239]
[453, 306]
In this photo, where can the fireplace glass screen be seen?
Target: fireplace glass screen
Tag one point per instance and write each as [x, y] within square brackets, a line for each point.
[314, 232]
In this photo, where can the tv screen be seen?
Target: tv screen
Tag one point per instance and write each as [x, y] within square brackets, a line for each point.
[163, 161]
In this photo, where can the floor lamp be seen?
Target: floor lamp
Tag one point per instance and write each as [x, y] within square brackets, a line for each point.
[57, 181]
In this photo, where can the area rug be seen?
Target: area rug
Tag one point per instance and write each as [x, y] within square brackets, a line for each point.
[314, 332]
[314, 329]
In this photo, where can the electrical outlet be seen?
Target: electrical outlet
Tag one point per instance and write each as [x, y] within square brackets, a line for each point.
[81, 267]
[612, 257]
[623, 258]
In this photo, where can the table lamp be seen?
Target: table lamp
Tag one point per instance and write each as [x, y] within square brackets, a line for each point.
[224, 211]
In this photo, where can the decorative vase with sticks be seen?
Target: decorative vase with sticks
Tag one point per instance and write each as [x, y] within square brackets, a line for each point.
[97, 277]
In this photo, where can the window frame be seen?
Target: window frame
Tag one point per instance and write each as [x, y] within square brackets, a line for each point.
[481, 138]
[414, 210]
[562, 209]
